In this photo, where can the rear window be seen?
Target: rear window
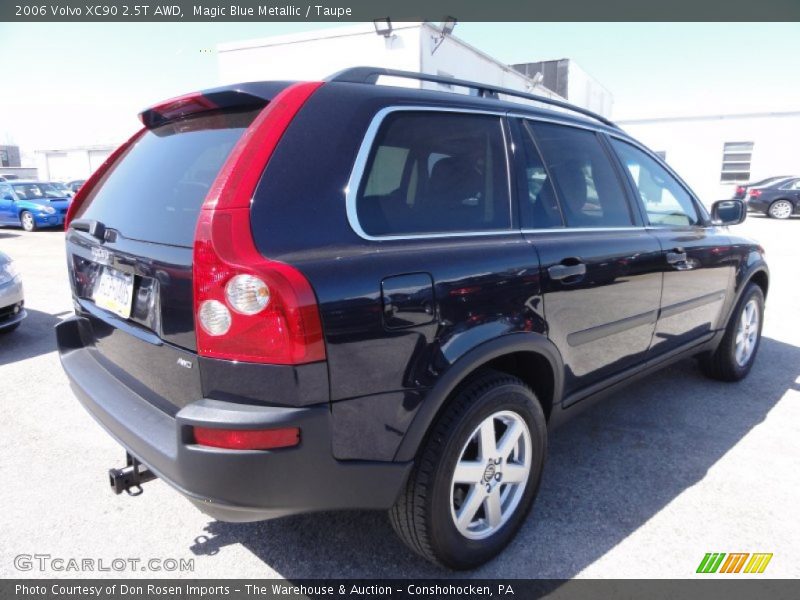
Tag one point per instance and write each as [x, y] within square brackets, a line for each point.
[154, 193]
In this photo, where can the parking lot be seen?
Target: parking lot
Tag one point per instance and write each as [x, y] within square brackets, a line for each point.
[641, 486]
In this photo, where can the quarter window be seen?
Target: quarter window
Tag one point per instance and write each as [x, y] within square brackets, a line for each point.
[665, 200]
[588, 189]
[432, 172]
[736, 157]
[387, 173]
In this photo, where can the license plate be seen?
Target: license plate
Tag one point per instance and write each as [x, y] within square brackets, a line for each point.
[114, 292]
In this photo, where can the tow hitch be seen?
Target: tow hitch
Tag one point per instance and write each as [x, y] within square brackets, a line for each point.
[130, 478]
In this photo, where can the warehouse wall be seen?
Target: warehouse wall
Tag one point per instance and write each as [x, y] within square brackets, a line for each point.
[585, 90]
[9, 156]
[569, 80]
[68, 164]
[458, 59]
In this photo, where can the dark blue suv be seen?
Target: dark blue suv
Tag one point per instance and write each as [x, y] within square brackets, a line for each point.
[299, 297]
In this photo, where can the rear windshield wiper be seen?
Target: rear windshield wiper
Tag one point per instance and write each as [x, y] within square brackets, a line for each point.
[94, 228]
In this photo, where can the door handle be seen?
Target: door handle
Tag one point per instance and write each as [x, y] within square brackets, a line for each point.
[566, 271]
[676, 256]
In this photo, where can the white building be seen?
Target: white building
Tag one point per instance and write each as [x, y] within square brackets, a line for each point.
[66, 164]
[19, 173]
[566, 78]
[418, 47]
[714, 153]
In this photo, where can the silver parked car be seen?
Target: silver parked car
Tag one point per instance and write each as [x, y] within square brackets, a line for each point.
[12, 302]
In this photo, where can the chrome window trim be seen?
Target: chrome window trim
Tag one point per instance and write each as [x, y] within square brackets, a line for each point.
[357, 173]
[575, 124]
[585, 229]
[360, 164]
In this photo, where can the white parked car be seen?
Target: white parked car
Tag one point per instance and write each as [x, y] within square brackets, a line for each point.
[12, 301]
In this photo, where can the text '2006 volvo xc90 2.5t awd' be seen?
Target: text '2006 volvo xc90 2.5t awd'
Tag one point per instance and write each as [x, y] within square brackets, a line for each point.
[296, 297]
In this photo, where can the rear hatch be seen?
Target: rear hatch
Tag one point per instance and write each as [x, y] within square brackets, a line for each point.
[129, 252]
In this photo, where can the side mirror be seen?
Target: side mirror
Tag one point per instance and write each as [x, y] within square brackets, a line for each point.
[728, 212]
[8, 197]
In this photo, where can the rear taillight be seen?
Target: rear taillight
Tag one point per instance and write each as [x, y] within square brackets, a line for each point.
[247, 439]
[246, 294]
[755, 193]
[214, 317]
[175, 108]
[248, 307]
[80, 197]
[739, 190]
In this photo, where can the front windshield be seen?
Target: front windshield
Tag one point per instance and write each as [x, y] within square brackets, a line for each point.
[37, 191]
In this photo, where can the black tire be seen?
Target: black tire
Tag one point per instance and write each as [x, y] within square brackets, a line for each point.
[421, 515]
[27, 221]
[722, 363]
[777, 210]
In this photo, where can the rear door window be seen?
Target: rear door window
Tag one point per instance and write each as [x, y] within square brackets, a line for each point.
[431, 172]
[589, 190]
[154, 193]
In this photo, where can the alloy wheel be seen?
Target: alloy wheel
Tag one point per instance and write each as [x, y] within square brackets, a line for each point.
[781, 209]
[491, 474]
[27, 221]
[747, 333]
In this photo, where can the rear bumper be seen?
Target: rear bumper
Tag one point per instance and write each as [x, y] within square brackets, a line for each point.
[229, 485]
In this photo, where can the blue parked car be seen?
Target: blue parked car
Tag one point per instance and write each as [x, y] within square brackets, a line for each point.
[32, 204]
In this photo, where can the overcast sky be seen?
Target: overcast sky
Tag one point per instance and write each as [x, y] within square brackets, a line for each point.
[73, 84]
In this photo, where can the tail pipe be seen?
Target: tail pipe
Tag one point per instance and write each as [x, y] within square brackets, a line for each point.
[129, 479]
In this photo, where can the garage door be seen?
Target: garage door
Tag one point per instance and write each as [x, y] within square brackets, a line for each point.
[58, 166]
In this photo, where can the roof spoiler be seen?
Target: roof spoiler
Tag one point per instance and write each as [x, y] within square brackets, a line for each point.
[246, 95]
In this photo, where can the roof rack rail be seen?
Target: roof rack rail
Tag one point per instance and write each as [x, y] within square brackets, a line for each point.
[370, 75]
